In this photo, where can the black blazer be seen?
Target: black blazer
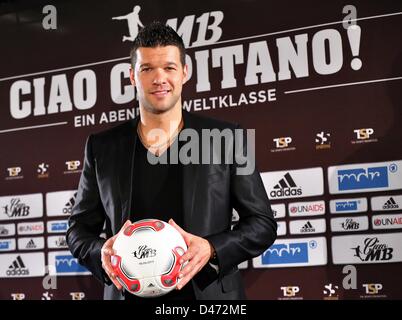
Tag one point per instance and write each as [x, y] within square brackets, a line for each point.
[210, 192]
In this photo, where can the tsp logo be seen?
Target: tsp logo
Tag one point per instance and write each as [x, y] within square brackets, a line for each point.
[290, 291]
[77, 295]
[14, 171]
[72, 165]
[18, 296]
[363, 134]
[372, 288]
[282, 142]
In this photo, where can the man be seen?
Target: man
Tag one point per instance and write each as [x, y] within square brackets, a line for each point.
[118, 183]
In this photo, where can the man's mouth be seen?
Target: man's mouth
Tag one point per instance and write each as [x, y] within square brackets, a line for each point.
[160, 93]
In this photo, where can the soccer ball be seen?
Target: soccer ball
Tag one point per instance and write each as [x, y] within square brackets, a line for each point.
[146, 260]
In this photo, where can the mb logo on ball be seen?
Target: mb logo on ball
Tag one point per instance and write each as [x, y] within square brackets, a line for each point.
[147, 258]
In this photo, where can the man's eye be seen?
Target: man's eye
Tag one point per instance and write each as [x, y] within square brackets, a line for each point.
[145, 69]
[170, 68]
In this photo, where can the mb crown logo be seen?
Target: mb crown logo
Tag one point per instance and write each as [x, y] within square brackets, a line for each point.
[369, 178]
[373, 250]
[17, 268]
[16, 209]
[144, 252]
[286, 187]
[209, 24]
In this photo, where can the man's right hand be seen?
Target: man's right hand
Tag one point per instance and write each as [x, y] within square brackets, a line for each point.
[107, 252]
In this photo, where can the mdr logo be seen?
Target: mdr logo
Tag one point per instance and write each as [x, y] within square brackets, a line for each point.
[294, 253]
[379, 176]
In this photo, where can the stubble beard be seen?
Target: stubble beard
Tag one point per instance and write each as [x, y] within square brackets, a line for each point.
[149, 107]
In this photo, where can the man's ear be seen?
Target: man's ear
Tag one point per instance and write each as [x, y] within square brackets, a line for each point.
[185, 73]
[132, 80]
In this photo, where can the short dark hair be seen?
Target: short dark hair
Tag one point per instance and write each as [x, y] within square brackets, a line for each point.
[157, 34]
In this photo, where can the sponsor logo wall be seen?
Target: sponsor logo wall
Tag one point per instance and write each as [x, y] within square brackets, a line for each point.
[324, 106]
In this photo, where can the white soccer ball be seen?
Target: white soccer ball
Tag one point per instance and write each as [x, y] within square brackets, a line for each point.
[146, 259]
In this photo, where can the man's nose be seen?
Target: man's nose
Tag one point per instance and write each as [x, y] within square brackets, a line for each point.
[159, 77]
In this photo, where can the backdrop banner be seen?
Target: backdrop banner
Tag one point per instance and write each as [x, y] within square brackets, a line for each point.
[320, 82]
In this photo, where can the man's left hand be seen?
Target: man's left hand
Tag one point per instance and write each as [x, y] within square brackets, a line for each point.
[199, 252]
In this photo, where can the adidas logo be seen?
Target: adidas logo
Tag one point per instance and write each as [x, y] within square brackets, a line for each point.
[390, 204]
[31, 244]
[68, 207]
[286, 187]
[3, 231]
[308, 227]
[17, 268]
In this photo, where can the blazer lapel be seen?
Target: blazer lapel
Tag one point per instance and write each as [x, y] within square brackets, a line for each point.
[126, 167]
[189, 176]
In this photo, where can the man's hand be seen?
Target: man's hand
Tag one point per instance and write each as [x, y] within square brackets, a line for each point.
[107, 252]
[198, 253]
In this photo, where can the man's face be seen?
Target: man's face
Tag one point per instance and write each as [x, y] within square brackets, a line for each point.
[159, 77]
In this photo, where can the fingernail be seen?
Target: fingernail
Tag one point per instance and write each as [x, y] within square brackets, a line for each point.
[180, 275]
[181, 261]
